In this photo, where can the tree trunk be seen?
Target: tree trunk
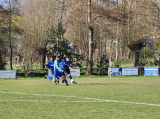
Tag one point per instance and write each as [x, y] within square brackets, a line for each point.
[120, 50]
[42, 61]
[129, 20]
[128, 53]
[136, 47]
[42, 56]
[136, 54]
[117, 38]
[90, 57]
[11, 57]
[117, 41]
[111, 49]
[90, 44]
[10, 36]
[2, 64]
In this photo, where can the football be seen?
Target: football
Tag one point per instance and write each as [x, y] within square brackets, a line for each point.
[72, 80]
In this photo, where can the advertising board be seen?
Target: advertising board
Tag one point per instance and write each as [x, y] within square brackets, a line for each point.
[74, 73]
[122, 71]
[150, 71]
[8, 74]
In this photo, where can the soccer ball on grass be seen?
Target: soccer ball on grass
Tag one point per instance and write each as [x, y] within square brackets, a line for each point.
[72, 80]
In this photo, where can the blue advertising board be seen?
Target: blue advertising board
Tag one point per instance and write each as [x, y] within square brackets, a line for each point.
[150, 71]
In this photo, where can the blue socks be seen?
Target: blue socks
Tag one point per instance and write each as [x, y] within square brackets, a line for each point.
[64, 80]
[70, 77]
[50, 78]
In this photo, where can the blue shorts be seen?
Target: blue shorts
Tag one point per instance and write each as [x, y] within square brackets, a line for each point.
[63, 74]
[57, 73]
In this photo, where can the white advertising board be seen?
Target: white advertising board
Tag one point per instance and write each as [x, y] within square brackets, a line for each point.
[129, 71]
[49, 73]
[122, 71]
[74, 73]
[114, 72]
[8, 74]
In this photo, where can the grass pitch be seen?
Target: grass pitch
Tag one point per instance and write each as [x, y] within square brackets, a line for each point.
[92, 98]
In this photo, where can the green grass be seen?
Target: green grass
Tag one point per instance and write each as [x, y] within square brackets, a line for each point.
[49, 103]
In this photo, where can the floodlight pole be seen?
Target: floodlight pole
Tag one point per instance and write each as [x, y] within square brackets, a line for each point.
[137, 71]
[16, 73]
[110, 73]
[158, 71]
[144, 71]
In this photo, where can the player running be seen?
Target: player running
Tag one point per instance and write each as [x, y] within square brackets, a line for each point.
[50, 65]
[67, 64]
[58, 72]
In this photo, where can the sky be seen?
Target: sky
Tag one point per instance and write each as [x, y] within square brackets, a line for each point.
[2, 2]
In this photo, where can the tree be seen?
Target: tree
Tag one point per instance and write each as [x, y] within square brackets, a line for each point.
[157, 43]
[141, 26]
[40, 16]
[11, 30]
[59, 44]
[10, 39]
[90, 41]
[102, 20]
[136, 47]
[3, 34]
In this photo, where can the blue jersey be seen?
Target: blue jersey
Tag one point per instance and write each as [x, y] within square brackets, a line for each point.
[62, 65]
[51, 64]
[56, 71]
[66, 64]
[56, 63]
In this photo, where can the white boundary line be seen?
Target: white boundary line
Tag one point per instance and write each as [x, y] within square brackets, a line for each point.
[95, 99]
[24, 100]
[63, 84]
[77, 82]
[71, 83]
[45, 101]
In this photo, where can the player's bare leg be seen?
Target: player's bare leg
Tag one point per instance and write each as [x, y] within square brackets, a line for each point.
[45, 76]
[54, 80]
[57, 79]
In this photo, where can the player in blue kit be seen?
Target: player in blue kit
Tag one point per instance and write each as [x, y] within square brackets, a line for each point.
[50, 65]
[58, 72]
[62, 66]
[67, 64]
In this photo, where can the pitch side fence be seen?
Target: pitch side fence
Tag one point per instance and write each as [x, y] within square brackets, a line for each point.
[98, 71]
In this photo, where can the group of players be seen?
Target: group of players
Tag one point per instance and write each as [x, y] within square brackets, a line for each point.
[59, 69]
